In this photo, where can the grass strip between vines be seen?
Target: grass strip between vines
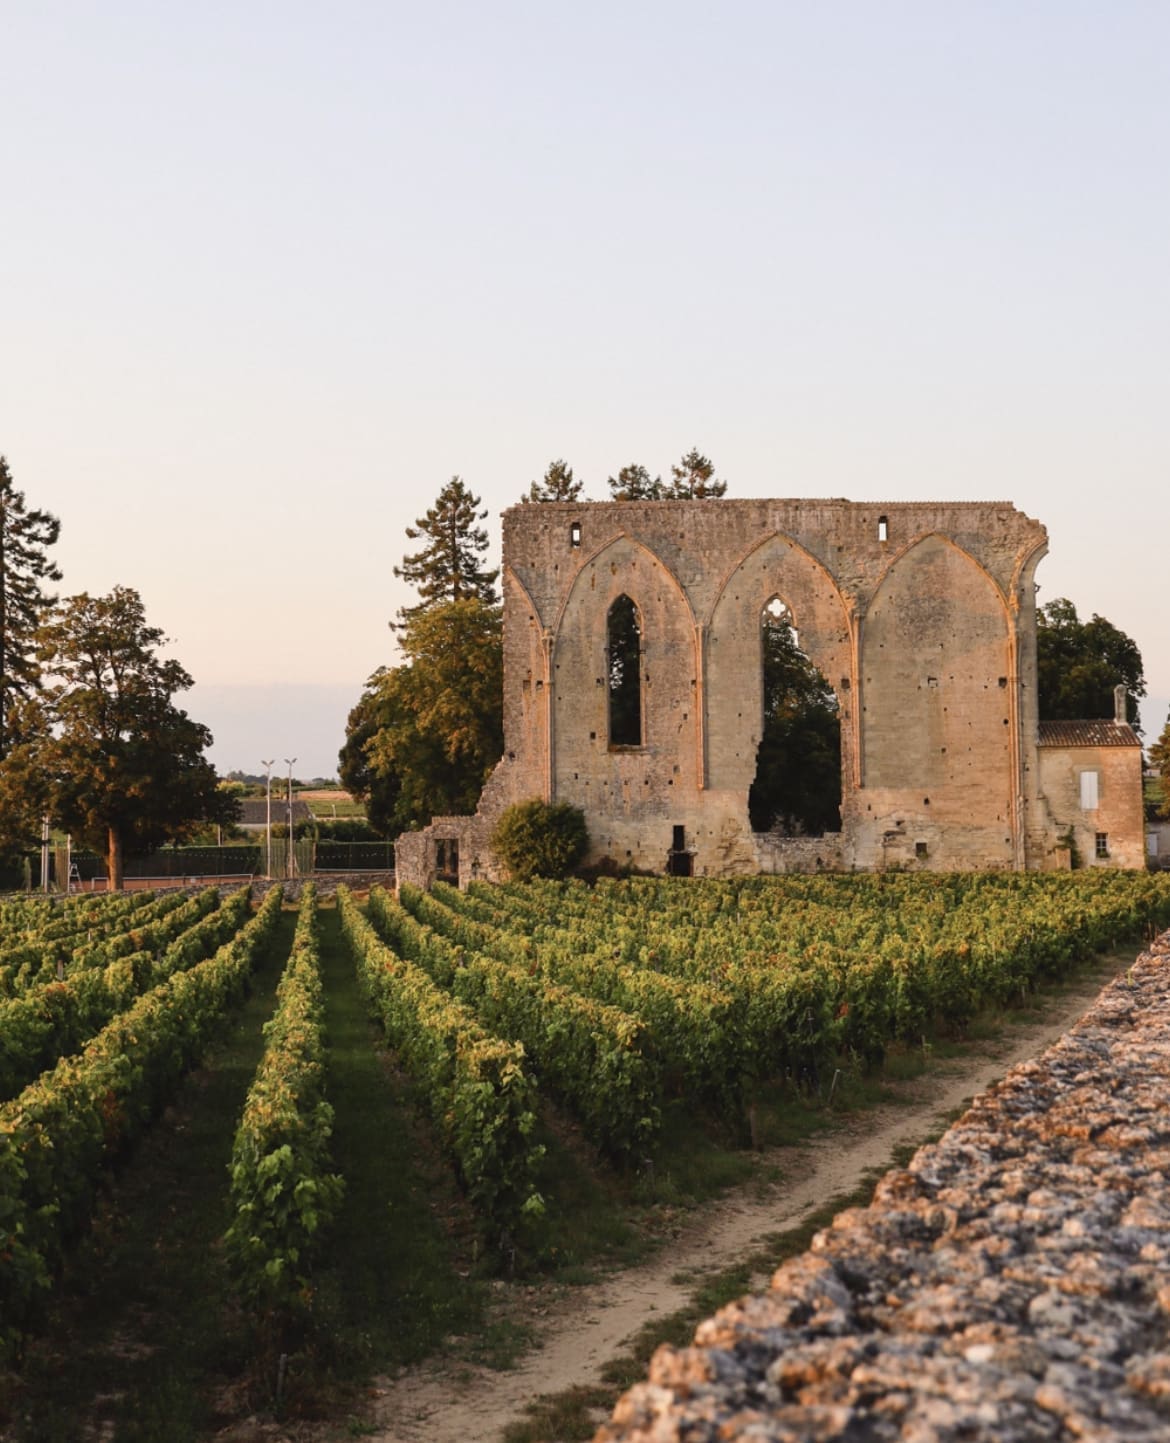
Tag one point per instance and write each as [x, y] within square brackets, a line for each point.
[143, 1334]
[396, 1281]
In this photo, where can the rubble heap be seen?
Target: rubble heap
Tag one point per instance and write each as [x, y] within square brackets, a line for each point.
[1011, 1285]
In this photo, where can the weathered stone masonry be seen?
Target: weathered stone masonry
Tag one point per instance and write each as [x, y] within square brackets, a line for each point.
[1012, 1285]
[920, 615]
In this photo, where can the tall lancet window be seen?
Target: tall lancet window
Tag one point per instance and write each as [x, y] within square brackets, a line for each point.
[624, 668]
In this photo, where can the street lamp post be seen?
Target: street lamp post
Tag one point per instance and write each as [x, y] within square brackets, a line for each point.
[291, 855]
[268, 824]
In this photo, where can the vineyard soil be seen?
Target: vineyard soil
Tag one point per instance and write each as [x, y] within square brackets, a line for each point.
[581, 1329]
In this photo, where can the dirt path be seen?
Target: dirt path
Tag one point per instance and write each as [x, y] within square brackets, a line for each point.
[583, 1328]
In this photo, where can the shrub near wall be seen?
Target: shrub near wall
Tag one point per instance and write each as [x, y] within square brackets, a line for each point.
[540, 839]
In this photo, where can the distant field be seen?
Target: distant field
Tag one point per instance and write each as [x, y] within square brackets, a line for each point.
[326, 804]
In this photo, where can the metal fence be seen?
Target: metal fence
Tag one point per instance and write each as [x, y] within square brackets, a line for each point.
[71, 868]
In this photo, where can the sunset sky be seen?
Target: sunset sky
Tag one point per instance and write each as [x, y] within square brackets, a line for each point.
[271, 274]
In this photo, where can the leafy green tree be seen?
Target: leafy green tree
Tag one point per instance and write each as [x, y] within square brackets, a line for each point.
[540, 839]
[557, 484]
[449, 566]
[797, 788]
[24, 785]
[122, 765]
[1080, 662]
[25, 537]
[379, 789]
[1160, 761]
[693, 478]
[440, 724]
[633, 483]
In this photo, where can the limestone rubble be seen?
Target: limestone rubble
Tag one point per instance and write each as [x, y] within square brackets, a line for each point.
[1012, 1284]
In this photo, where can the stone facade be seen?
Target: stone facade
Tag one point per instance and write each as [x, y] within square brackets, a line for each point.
[1091, 781]
[921, 616]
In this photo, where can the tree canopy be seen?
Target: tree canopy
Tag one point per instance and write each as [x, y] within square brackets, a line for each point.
[379, 790]
[557, 484]
[633, 483]
[1160, 761]
[797, 788]
[25, 537]
[693, 479]
[120, 764]
[425, 735]
[1080, 662]
[449, 566]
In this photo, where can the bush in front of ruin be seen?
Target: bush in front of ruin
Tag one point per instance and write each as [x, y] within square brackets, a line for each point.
[540, 839]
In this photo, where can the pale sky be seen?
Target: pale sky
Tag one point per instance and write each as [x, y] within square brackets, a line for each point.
[271, 274]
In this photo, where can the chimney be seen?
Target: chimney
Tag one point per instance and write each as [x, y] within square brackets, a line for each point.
[1119, 704]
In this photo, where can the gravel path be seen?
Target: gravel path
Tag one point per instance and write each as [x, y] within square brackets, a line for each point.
[1011, 1285]
[583, 1330]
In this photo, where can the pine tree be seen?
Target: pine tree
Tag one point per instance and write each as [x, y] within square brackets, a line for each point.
[24, 564]
[450, 565]
[633, 483]
[691, 479]
[557, 484]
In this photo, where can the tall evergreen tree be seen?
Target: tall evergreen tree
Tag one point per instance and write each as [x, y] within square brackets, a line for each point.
[693, 478]
[449, 567]
[25, 537]
[557, 484]
[633, 483]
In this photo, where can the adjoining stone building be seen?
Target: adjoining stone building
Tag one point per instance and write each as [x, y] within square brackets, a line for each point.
[922, 618]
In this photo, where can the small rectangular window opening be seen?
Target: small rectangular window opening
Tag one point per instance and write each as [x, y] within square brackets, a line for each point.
[575, 534]
[920, 849]
[680, 862]
[1102, 844]
[1089, 791]
[883, 529]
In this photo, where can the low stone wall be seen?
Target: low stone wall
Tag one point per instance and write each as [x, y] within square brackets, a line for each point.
[1012, 1284]
[799, 854]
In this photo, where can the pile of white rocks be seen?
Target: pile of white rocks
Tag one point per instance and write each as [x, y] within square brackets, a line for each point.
[1012, 1284]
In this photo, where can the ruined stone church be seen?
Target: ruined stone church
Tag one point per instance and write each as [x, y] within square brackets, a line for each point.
[920, 616]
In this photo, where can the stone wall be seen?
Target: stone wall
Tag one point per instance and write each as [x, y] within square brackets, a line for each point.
[1012, 1284]
[920, 616]
[1118, 815]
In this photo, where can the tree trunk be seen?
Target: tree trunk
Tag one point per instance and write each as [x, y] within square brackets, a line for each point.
[114, 860]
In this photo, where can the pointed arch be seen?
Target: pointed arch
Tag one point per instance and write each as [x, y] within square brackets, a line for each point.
[937, 692]
[593, 768]
[932, 536]
[775, 565]
[615, 544]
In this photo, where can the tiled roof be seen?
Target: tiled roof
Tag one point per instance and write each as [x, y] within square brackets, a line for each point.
[1087, 734]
